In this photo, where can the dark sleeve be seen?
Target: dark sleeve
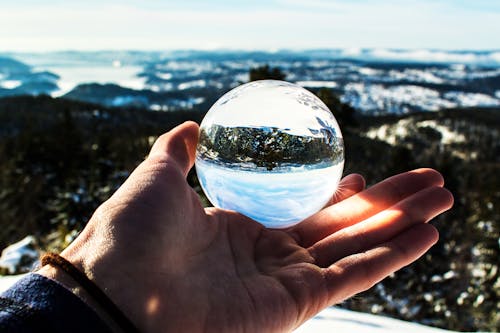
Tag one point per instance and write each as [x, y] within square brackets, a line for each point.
[38, 304]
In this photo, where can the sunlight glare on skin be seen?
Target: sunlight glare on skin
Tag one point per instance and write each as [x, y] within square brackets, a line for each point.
[153, 305]
[367, 203]
[348, 186]
[360, 236]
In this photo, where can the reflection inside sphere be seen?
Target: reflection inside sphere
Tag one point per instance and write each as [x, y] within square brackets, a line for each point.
[270, 150]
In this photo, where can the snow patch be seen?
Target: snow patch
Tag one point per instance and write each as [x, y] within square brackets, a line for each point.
[416, 75]
[8, 281]
[192, 67]
[10, 84]
[340, 320]
[164, 76]
[369, 71]
[317, 84]
[158, 107]
[19, 256]
[393, 134]
[447, 136]
[471, 99]
[396, 99]
[192, 84]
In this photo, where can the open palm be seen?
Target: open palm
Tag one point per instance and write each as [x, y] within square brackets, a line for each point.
[173, 266]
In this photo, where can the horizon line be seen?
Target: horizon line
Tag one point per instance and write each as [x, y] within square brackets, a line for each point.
[266, 50]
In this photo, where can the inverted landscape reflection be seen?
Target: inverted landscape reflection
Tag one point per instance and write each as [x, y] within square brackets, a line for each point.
[275, 199]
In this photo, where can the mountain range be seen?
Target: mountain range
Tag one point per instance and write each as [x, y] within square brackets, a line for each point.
[373, 81]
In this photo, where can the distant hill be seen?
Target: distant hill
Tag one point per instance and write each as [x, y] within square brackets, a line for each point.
[18, 78]
[10, 66]
[113, 95]
[374, 82]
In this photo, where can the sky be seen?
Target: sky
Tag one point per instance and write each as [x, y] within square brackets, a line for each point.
[33, 25]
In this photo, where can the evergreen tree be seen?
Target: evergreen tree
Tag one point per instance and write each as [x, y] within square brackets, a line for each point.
[266, 73]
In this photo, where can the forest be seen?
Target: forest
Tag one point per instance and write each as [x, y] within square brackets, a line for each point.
[267, 147]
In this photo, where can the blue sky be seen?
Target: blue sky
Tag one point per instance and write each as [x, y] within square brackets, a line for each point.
[32, 25]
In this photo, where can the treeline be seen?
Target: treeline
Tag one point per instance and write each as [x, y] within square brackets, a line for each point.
[268, 147]
[60, 159]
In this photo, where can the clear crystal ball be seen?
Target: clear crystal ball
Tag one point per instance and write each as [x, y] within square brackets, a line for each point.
[270, 150]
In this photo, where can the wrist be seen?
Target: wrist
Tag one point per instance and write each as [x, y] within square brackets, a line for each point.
[77, 283]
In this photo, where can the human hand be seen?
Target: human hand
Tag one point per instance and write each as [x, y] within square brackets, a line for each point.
[173, 266]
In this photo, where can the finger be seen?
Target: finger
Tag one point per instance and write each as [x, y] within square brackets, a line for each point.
[360, 272]
[348, 186]
[364, 204]
[178, 146]
[418, 208]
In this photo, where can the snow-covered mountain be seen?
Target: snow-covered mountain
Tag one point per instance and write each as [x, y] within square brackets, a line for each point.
[375, 81]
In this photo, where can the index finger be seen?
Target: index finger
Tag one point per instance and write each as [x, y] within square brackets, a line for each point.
[364, 204]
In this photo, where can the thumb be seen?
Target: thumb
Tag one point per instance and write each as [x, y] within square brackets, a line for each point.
[177, 145]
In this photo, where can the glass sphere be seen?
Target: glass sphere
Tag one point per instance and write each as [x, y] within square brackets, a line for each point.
[270, 150]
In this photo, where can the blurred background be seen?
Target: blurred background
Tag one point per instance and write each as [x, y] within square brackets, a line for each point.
[85, 88]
